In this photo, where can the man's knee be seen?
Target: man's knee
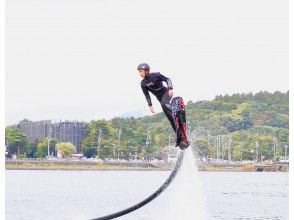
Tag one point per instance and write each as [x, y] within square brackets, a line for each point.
[166, 107]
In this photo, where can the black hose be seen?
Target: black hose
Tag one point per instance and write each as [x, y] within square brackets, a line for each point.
[148, 199]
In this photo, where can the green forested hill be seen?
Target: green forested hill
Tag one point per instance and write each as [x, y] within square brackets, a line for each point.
[238, 127]
[239, 122]
[247, 121]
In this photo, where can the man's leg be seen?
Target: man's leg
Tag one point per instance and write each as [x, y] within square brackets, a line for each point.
[165, 104]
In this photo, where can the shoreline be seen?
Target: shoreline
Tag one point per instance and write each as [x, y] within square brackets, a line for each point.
[16, 165]
[71, 165]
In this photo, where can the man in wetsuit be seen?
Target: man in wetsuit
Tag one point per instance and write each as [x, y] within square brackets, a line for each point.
[153, 82]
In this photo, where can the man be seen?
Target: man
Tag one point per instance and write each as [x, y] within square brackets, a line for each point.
[153, 82]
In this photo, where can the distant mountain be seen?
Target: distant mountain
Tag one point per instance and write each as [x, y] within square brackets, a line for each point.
[135, 114]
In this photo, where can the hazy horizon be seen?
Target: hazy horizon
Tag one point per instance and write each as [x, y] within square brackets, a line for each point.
[138, 113]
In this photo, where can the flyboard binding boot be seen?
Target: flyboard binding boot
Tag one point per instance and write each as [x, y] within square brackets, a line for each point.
[179, 115]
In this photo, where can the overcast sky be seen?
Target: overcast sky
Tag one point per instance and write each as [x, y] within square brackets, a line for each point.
[76, 60]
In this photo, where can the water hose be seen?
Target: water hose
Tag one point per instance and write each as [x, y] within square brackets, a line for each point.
[149, 198]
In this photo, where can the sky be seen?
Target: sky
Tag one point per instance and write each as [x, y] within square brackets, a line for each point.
[77, 59]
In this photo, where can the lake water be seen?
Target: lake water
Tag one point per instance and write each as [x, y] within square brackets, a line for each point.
[88, 194]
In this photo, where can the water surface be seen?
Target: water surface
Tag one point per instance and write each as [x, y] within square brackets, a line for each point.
[70, 195]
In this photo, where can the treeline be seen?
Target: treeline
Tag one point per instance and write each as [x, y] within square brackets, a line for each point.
[237, 127]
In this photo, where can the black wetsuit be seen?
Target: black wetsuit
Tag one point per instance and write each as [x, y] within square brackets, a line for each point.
[153, 83]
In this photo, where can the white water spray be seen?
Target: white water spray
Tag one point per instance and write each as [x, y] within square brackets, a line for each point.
[186, 200]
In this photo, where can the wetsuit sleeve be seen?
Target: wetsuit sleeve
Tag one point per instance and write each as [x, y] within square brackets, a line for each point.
[167, 80]
[146, 93]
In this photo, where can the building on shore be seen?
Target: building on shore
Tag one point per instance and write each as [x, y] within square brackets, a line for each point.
[65, 131]
[35, 129]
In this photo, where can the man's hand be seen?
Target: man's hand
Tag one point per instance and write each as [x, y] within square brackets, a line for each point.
[151, 109]
[170, 93]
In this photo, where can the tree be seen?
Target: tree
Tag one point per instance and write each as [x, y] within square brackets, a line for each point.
[202, 144]
[212, 152]
[65, 148]
[42, 148]
[243, 144]
[16, 141]
[150, 150]
[90, 143]
[266, 147]
[31, 151]
[237, 153]
[232, 122]
[161, 139]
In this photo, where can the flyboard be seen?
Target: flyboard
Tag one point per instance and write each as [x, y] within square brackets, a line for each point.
[179, 115]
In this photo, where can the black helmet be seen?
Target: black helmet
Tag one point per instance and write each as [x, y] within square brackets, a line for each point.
[143, 66]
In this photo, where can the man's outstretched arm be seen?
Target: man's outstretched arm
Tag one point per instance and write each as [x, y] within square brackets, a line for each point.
[146, 93]
[147, 96]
